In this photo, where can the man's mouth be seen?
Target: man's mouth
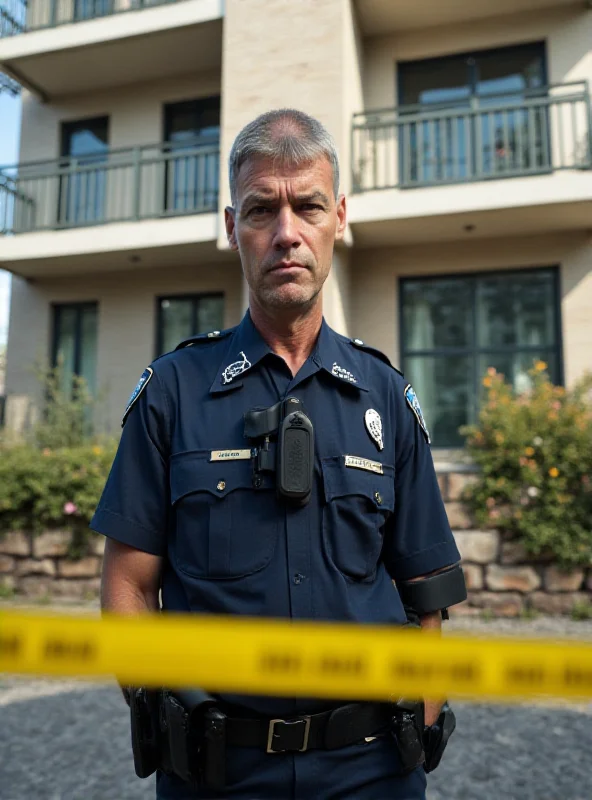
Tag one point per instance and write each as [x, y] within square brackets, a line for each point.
[287, 267]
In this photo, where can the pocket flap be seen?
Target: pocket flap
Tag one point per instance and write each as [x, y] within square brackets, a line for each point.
[194, 472]
[340, 480]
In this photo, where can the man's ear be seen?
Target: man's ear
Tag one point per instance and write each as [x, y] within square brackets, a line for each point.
[341, 217]
[229, 216]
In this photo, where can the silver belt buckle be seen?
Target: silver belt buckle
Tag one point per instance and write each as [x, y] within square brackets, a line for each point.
[274, 722]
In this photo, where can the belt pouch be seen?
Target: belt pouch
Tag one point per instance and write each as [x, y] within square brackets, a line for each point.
[407, 731]
[144, 730]
[213, 750]
[177, 723]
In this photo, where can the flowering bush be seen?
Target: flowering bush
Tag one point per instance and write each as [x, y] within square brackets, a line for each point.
[43, 489]
[534, 451]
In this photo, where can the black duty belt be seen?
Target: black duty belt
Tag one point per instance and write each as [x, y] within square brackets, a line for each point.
[328, 730]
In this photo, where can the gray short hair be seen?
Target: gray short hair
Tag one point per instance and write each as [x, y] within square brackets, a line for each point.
[286, 135]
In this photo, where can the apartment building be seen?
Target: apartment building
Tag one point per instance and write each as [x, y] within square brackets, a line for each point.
[464, 132]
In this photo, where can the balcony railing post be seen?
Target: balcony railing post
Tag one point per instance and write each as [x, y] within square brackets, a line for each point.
[137, 193]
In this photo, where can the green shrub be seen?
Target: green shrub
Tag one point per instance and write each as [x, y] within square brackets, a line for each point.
[534, 452]
[44, 489]
[67, 419]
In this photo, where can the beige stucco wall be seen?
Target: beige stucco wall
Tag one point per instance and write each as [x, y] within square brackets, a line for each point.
[375, 285]
[126, 325]
[567, 32]
[136, 115]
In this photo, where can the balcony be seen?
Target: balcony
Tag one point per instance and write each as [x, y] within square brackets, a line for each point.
[132, 199]
[380, 17]
[529, 137]
[55, 47]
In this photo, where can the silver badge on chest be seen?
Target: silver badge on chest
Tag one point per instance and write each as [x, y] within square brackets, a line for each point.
[236, 368]
[374, 427]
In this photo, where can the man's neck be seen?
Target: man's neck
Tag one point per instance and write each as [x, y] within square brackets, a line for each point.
[291, 336]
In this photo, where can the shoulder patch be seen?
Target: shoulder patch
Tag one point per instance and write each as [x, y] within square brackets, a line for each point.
[141, 385]
[373, 351]
[413, 403]
[204, 337]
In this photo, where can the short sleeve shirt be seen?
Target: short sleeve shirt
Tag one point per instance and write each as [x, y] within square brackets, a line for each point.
[183, 487]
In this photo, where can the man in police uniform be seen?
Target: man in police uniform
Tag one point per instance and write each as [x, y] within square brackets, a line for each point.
[279, 469]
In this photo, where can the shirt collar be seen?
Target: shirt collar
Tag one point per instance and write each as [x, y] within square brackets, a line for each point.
[332, 353]
[247, 348]
[337, 357]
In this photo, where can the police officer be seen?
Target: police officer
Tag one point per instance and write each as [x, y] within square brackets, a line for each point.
[279, 469]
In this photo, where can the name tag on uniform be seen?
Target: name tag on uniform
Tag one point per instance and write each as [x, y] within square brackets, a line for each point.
[363, 463]
[230, 455]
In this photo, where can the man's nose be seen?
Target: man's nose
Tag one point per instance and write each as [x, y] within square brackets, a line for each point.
[287, 233]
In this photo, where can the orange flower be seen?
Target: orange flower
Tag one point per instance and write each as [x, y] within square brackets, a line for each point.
[97, 450]
[529, 451]
[499, 438]
[46, 451]
[553, 472]
[540, 366]
[487, 381]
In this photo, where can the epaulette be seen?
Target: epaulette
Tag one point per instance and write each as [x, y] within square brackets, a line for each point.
[204, 337]
[373, 351]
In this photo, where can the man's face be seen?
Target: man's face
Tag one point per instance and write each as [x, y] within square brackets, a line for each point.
[285, 225]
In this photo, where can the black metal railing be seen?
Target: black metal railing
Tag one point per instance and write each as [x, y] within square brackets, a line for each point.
[162, 180]
[9, 85]
[501, 136]
[20, 16]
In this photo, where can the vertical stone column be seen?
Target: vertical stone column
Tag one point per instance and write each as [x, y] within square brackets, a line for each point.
[306, 55]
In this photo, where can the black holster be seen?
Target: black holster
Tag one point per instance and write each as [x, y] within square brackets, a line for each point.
[180, 733]
[145, 728]
[436, 737]
[407, 729]
[416, 743]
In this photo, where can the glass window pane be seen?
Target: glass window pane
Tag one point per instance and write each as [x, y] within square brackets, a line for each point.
[534, 308]
[210, 314]
[515, 366]
[437, 314]
[88, 346]
[516, 310]
[65, 344]
[176, 319]
[445, 389]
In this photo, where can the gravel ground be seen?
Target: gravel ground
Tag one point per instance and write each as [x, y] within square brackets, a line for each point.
[68, 740]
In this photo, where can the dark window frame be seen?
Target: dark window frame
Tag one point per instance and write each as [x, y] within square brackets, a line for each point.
[56, 309]
[169, 104]
[195, 297]
[474, 351]
[471, 68]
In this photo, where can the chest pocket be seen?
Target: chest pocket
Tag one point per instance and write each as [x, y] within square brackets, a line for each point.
[357, 505]
[224, 527]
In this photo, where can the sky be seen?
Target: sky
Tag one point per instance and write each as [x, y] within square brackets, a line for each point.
[9, 133]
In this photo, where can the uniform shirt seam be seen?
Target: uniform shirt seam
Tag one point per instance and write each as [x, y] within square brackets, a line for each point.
[132, 522]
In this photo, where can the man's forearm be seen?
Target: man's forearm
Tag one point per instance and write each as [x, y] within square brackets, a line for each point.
[432, 622]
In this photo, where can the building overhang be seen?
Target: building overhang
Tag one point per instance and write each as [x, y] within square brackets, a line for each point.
[514, 207]
[112, 247]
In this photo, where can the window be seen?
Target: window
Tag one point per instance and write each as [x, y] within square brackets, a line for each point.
[74, 344]
[180, 317]
[478, 123]
[192, 133]
[85, 145]
[454, 328]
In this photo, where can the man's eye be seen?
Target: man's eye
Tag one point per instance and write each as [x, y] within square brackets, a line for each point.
[311, 207]
[259, 210]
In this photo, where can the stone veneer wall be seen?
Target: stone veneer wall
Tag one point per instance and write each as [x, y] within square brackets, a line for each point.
[500, 577]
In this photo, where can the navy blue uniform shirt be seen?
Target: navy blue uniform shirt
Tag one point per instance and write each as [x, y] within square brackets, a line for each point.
[229, 544]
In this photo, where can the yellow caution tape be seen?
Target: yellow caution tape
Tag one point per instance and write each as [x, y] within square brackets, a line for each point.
[248, 656]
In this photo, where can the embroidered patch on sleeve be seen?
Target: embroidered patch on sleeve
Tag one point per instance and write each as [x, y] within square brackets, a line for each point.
[413, 402]
[141, 385]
